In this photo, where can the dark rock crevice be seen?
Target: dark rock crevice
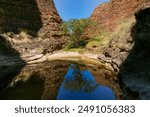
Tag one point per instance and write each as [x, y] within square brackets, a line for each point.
[32, 26]
[129, 54]
[11, 64]
[135, 70]
[24, 15]
[27, 28]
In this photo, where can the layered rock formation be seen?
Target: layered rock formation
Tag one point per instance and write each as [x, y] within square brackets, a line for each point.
[50, 19]
[32, 26]
[111, 14]
[128, 23]
[28, 30]
[32, 16]
[135, 70]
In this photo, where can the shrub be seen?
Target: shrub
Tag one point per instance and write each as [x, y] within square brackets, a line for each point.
[75, 29]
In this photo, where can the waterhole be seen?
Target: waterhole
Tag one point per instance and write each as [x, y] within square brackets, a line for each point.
[63, 80]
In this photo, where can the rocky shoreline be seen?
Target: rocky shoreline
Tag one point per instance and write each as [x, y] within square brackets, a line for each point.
[47, 67]
[127, 54]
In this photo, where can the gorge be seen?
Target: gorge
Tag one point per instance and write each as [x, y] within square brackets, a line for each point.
[30, 35]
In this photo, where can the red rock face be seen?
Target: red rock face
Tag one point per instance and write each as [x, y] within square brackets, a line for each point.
[33, 16]
[108, 15]
[31, 26]
[50, 19]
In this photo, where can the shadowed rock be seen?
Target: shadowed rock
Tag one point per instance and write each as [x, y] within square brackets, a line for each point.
[135, 71]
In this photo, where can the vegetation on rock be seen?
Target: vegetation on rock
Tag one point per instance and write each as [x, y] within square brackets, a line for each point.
[75, 29]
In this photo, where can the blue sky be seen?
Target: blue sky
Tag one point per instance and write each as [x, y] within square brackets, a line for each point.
[75, 9]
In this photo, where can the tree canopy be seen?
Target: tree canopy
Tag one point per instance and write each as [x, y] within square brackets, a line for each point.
[75, 29]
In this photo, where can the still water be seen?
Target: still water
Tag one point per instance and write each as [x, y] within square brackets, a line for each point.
[63, 80]
[81, 85]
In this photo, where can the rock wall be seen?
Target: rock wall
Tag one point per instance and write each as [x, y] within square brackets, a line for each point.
[135, 70]
[24, 15]
[109, 15]
[32, 26]
[128, 21]
[28, 29]
[50, 19]
[32, 16]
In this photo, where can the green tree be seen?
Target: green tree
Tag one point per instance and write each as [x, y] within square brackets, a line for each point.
[75, 29]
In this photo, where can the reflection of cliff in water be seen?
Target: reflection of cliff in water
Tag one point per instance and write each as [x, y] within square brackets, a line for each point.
[10, 64]
[45, 80]
[81, 85]
[77, 79]
[15, 16]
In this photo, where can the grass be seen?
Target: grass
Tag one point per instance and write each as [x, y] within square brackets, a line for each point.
[101, 38]
[80, 50]
[94, 44]
[98, 41]
[23, 34]
[71, 45]
[124, 27]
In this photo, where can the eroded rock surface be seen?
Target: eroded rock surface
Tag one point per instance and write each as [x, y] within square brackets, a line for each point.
[128, 50]
[32, 26]
[110, 15]
[29, 29]
[135, 71]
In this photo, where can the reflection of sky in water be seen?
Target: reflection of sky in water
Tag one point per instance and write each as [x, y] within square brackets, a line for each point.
[81, 85]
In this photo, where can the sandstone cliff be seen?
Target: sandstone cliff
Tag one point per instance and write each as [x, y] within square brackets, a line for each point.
[32, 26]
[28, 30]
[32, 16]
[128, 23]
[111, 14]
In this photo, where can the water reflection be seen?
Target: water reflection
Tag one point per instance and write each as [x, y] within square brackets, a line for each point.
[64, 80]
[79, 84]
